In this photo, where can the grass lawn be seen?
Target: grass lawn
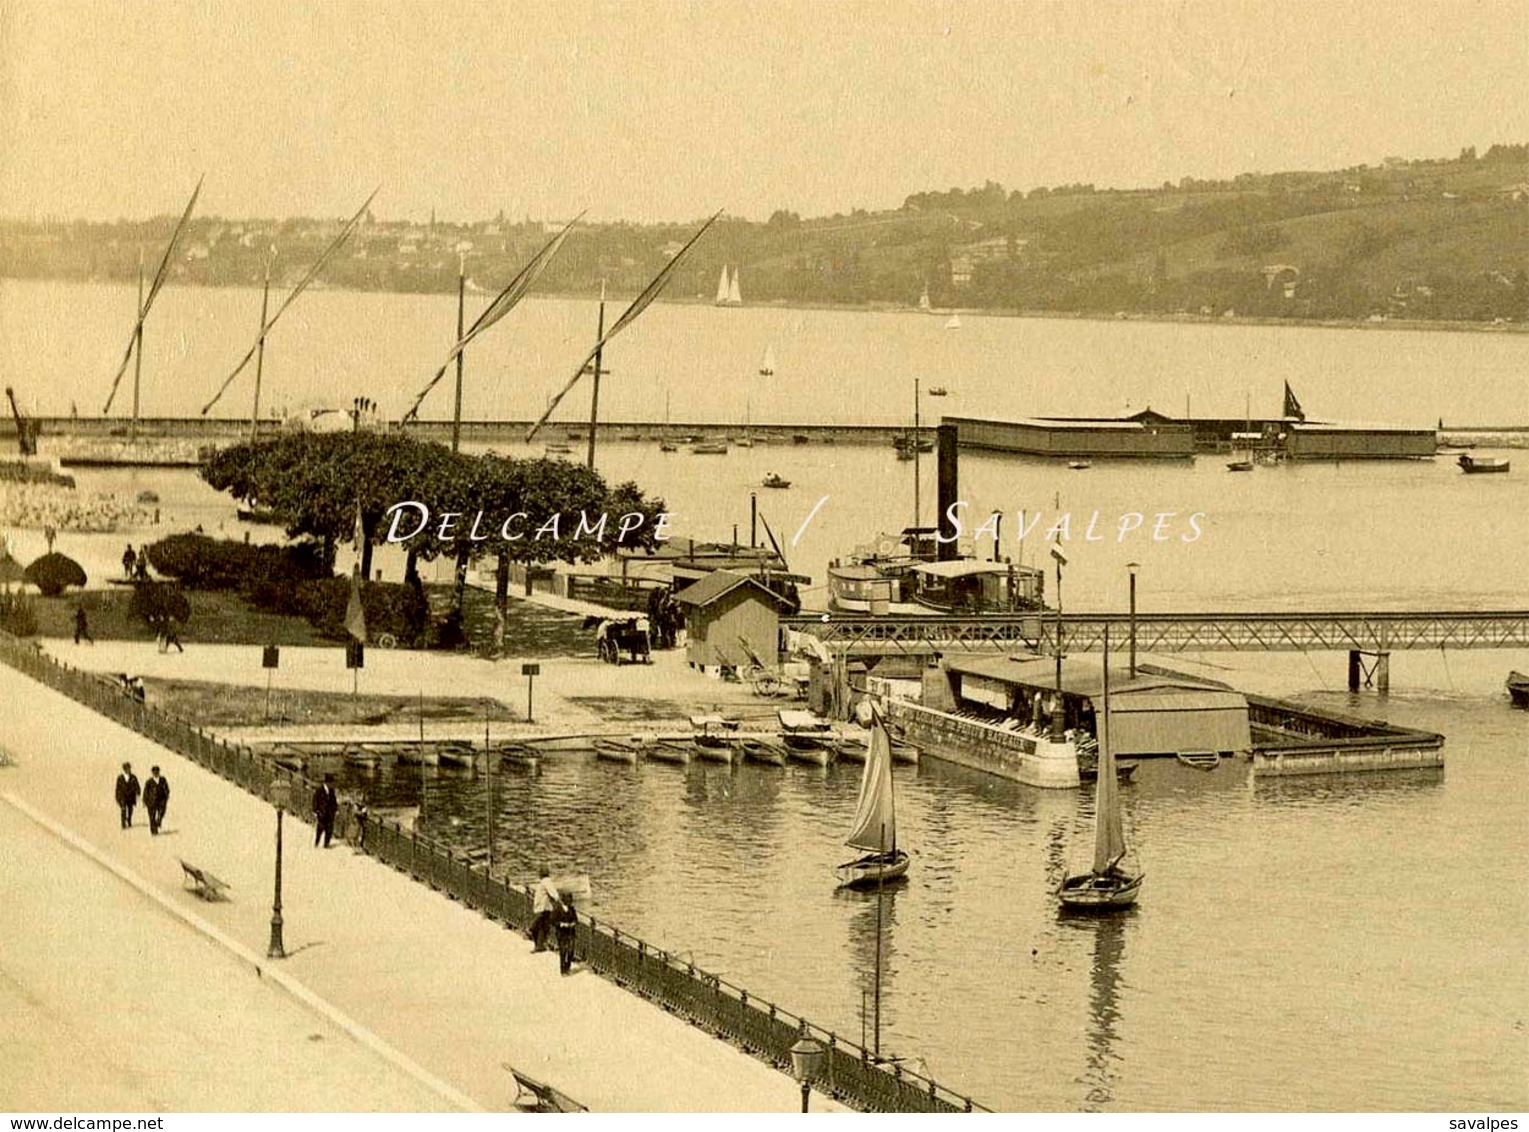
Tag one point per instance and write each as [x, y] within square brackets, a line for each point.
[237, 705]
[217, 617]
[223, 617]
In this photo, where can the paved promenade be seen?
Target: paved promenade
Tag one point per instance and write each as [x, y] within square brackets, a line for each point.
[448, 990]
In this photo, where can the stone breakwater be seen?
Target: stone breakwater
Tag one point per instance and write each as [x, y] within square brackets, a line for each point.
[40, 505]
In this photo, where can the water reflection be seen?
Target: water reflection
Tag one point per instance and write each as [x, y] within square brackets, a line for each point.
[873, 921]
[1108, 934]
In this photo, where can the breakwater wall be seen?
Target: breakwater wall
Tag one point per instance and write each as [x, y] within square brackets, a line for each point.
[230, 430]
[759, 1027]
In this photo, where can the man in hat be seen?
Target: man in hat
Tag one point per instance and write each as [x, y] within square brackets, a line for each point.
[326, 803]
[156, 796]
[544, 901]
[127, 794]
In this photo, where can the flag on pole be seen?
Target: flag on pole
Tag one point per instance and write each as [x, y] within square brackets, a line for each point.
[355, 616]
[503, 304]
[1292, 406]
[639, 304]
[1058, 553]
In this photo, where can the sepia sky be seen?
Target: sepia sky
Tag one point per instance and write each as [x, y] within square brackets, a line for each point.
[650, 110]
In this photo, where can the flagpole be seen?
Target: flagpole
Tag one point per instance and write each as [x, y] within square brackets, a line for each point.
[1058, 714]
[265, 302]
[137, 350]
[456, 414]
[594, 397]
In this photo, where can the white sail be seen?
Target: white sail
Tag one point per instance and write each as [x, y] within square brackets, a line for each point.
[1109, 829]
[767, 363]
[722, 286]
[953, 323]
[734, 295]
[875, 828]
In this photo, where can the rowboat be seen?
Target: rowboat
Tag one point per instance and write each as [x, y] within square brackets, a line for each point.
[1480, 465]
[711, 740]
[667, 751]
[616, 751]
[759, 751]
[1518, 689]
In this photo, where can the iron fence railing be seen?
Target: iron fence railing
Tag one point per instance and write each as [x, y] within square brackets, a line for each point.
[850, 1073]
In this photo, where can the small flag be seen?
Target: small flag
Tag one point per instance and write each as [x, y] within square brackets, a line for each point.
[1292, 406]
[1058, 553]
[355, 616]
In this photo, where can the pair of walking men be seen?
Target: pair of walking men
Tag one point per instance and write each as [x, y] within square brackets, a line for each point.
[155, 792]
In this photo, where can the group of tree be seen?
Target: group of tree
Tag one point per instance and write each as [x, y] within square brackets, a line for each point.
[316, 485]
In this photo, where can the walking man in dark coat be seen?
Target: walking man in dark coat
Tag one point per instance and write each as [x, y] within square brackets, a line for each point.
[156, 796]
[127, 794]
[326, 803]
[567, 929]
[81, 625]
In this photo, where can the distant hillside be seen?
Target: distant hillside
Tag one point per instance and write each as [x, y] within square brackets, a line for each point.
[1425, 239]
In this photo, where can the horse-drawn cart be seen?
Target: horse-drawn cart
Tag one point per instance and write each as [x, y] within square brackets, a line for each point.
[613, 637]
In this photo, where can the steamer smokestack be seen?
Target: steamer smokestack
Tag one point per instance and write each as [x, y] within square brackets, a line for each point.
[947, 489]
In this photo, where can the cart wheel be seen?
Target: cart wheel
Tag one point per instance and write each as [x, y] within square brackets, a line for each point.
[767, 685]
[387, 641]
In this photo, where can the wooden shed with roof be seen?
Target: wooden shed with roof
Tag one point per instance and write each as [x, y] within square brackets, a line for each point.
[729, 616]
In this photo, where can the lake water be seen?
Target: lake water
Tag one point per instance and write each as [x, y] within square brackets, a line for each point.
[1352, 943]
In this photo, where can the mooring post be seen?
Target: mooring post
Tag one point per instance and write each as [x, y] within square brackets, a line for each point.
[1353, 670]
[1383, 673]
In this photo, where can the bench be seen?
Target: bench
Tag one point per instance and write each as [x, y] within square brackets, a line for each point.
[203, 883]
[532, 1095]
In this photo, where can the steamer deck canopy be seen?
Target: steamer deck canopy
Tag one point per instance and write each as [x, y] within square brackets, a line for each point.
[1150, 715]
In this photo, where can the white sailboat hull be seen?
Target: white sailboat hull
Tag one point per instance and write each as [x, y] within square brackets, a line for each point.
[1099, 891]
[873, 869]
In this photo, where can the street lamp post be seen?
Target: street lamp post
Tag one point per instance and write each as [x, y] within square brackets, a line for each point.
[281, 798]
[1059, 712]
[1133, 567]
[806, 1061]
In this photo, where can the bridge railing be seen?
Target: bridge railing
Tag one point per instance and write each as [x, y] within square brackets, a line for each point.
[707, 1001]
[1176, 632]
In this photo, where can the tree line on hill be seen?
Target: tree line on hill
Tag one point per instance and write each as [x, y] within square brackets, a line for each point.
[1436, 239]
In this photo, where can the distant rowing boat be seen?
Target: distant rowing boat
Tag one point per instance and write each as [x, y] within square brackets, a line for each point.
[1482, 465]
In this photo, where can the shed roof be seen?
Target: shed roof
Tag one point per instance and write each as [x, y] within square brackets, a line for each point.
[1151, 691]
[721, 582]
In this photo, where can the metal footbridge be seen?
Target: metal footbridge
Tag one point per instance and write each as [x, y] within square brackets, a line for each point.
[1364, 632]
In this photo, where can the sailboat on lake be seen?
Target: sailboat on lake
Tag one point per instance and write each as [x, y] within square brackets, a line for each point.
[728, 292]
[875, 828]
[1112, 882]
